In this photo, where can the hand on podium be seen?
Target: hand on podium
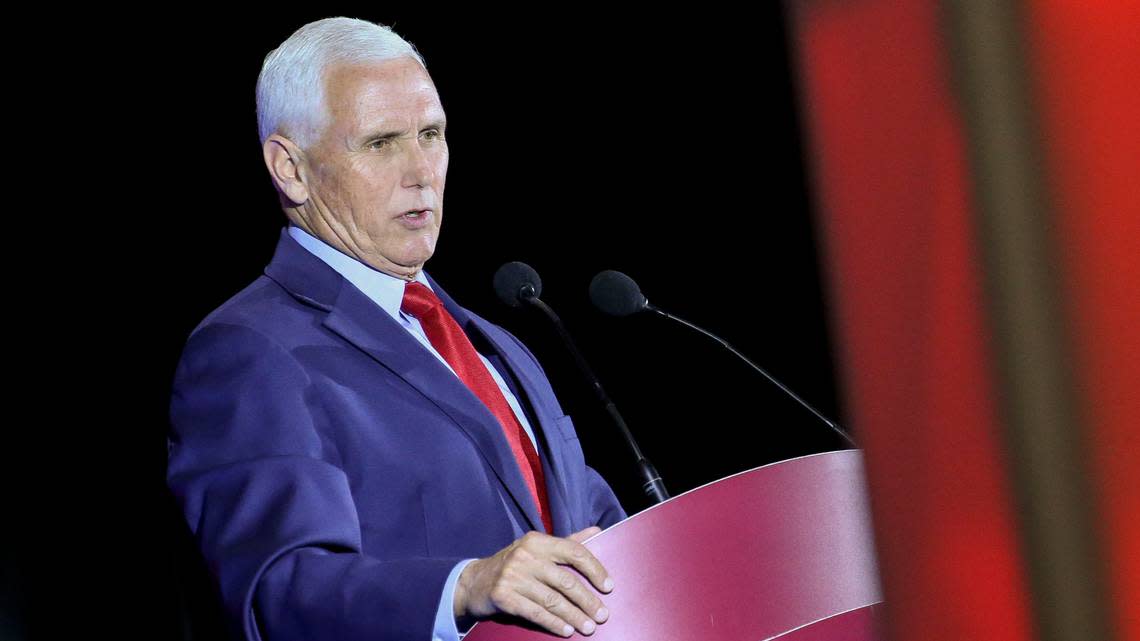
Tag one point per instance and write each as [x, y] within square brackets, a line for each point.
[529, 579]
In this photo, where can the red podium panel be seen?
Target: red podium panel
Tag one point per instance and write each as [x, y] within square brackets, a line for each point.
[783, 550]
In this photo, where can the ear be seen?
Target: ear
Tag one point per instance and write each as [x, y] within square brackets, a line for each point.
[283, 159]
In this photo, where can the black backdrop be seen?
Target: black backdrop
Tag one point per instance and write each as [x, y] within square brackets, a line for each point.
[665, 144]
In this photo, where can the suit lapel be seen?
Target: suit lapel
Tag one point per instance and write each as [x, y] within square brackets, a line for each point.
[541, 421]
[354, 317]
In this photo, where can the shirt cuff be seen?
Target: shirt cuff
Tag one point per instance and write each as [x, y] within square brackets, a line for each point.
[445, 626]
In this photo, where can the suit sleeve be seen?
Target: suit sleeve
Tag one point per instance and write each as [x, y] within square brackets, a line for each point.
[273, 514]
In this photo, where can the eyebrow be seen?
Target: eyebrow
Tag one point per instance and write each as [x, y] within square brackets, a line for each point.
[380, 135]
[389, 134]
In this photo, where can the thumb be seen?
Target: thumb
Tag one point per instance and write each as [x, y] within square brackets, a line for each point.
[582, 535]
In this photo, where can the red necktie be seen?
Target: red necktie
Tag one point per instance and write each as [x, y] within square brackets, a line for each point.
[453, 345]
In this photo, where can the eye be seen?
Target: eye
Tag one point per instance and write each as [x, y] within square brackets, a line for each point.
[380, 144]
[432, 134]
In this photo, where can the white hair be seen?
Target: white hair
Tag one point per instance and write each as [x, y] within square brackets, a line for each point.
[291, 86]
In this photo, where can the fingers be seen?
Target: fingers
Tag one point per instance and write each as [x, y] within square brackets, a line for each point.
[549, 595]
[534, 578]
[564, 594]
[574, 554]
[526, 608]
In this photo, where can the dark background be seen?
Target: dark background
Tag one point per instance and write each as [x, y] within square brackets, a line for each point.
[665, 145]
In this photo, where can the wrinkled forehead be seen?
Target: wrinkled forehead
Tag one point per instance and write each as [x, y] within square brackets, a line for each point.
[376, 94]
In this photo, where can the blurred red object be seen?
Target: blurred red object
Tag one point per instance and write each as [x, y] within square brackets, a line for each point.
[888, 148]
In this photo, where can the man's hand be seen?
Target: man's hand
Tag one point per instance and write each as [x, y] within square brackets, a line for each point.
[527, 579]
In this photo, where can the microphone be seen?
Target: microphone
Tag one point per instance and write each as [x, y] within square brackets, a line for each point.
[517, 284]
[616, 294]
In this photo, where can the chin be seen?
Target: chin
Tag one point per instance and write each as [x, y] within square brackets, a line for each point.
[417, 257]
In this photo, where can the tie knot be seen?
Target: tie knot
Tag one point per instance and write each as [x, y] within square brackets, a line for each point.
[419, 300]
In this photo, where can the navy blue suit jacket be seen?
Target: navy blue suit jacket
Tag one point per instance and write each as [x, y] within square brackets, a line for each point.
[333, 471]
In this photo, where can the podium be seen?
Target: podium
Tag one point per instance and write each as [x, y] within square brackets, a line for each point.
[783, 551]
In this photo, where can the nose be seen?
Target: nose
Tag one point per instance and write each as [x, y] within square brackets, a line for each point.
[419, 169]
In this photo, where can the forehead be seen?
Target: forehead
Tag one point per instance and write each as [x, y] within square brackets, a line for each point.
[371, 94]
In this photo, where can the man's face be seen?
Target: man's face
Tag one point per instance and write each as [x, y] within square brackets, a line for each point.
[377, 171]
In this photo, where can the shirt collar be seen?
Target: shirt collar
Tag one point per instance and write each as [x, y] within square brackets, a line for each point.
[385, 290]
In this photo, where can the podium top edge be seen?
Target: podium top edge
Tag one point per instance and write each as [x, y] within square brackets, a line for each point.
[849, 451]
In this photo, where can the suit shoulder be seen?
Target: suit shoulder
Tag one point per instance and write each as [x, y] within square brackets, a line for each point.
[264, 307]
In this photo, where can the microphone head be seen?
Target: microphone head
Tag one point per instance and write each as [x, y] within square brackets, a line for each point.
[616, 294]
[516, 281]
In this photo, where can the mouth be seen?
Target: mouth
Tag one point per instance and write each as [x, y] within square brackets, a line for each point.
[416, 218]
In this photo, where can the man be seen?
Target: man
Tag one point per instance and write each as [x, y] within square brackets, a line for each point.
[358, 456]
